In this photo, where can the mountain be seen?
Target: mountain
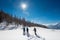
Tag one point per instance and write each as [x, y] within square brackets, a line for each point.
[56, 26]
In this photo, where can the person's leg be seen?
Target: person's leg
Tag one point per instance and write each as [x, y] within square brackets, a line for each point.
[35, 33]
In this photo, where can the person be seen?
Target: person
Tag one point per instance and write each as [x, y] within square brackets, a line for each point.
[35, 31]
[23, 30]
[27, 31]
[24, 24]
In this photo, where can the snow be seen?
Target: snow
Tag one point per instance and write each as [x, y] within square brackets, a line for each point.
[17, 34]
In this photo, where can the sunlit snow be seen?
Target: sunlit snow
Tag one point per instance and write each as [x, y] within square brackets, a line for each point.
[17, 34]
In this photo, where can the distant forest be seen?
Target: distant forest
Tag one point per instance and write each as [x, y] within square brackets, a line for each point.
[9, 19]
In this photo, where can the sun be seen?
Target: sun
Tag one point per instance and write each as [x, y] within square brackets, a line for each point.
[24, 6]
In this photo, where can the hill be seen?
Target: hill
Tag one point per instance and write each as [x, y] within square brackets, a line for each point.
[9, 19]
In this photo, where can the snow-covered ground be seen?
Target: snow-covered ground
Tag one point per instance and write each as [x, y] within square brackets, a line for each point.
[17, 34]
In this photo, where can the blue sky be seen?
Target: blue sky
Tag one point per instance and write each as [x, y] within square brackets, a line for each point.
[38, 11]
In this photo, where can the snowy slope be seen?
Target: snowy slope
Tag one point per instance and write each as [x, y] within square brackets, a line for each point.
[11, 26]
[56, 26]
[6, 33]
[17, 34]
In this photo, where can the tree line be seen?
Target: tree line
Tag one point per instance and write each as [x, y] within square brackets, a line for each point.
[9, 18]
